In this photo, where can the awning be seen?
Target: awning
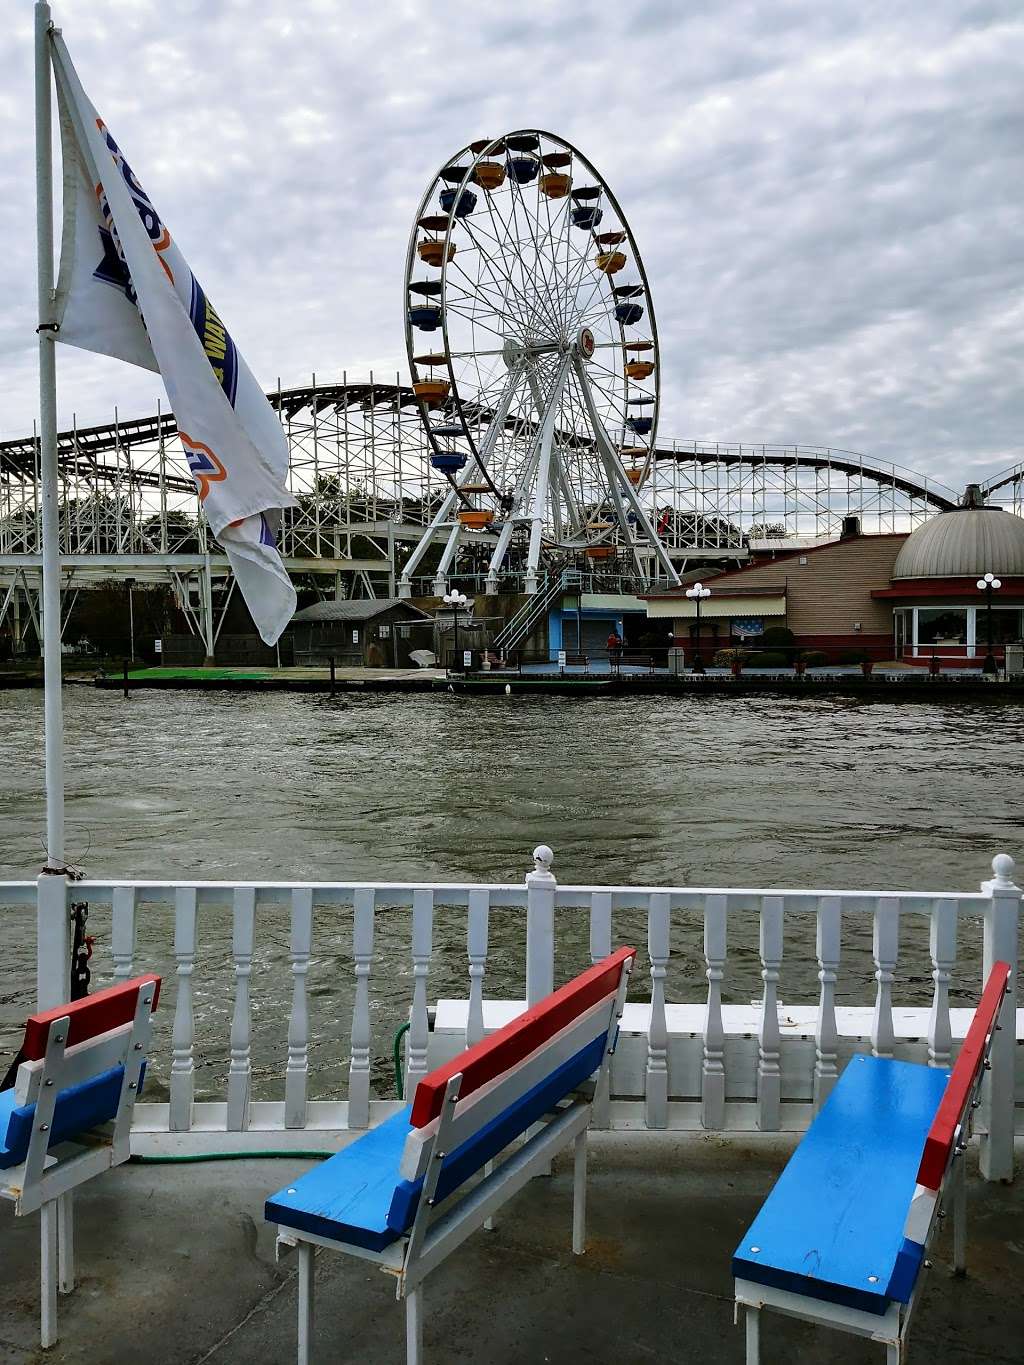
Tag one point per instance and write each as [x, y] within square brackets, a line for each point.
[718, 606]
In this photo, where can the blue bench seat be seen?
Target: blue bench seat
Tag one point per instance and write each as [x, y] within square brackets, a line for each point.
[833, 1225]
[78, 1108]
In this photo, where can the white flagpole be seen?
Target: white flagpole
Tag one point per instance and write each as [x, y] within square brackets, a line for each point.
[53, 702]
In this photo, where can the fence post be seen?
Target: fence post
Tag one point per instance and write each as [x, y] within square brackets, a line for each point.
[997, 1104]
[540, 926]
[53, 944]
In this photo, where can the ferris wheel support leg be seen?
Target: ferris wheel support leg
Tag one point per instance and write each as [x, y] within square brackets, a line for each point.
[617, 479]
[500, 551]
[441, 515]
[540, 488]
[441, 576]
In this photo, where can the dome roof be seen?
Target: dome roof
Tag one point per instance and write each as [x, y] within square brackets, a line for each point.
[967, 542]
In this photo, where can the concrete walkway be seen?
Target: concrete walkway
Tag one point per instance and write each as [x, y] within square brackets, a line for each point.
[177, 1268]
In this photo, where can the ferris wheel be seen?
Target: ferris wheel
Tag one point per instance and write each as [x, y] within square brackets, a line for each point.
[534, 357]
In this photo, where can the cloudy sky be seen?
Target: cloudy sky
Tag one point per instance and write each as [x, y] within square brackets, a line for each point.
[827, 196]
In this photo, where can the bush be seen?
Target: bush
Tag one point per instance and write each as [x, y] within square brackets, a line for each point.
[769, 658]
[814, 658]
[775, 636]
[724, 657]
[851, 656]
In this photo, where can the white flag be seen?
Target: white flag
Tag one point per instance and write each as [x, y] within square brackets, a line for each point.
[125, 290]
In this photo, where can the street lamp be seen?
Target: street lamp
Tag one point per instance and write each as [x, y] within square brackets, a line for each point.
[989, 584]
[697, 594]
[129, 584]
[457, 601]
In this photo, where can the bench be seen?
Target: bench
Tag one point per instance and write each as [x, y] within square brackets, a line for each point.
[68, 1116]
[841, 1239]
[379, 1197]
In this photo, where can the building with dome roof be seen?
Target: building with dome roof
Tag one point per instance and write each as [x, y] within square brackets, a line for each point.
[938, 609]
[912, 597]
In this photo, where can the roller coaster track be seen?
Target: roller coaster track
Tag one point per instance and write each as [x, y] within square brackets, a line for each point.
[79, 451]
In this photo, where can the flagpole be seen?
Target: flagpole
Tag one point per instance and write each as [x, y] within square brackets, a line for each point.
[53, 708]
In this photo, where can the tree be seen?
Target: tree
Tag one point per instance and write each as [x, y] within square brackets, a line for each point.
[767, 530]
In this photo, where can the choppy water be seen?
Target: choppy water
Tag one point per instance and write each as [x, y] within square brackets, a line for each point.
[658, 791]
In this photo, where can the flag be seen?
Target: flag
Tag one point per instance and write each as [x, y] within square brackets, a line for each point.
[125, 290]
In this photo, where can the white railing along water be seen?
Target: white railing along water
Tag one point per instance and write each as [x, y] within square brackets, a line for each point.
[696, 1063]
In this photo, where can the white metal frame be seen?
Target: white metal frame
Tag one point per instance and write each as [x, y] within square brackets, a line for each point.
[893, 1326]
[431, 1239]
[45, 1180]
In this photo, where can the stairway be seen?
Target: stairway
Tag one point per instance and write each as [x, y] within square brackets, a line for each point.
[520, 626]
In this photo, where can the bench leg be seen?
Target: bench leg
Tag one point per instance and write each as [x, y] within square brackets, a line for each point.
[306, 1292]
[579, 1195]
[960, 1215]
[753, 1326]
[414, 1326]
[489, 1221]
[48, 1274]
[66, 1242]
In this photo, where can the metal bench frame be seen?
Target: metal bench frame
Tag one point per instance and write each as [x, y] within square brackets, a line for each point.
[892, 1327]
[46, 1180]
[432, 1238]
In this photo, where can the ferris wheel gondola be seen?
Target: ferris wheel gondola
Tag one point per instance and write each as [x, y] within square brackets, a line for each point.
[533, 349]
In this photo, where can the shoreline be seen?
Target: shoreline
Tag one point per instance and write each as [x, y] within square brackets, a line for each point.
[882, 687]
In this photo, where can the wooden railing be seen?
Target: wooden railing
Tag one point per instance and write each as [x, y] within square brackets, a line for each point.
[688, 1056]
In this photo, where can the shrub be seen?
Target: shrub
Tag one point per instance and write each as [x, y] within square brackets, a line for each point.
[851, 656]
[725, 657]
[814, 658]
[769, 658]
[775, 636]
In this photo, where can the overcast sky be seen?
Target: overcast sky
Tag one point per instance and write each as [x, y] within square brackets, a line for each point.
[827, 196]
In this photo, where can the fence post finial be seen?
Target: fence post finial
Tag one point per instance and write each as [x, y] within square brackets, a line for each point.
[1003, 868]
[543, 857]
[540, 926]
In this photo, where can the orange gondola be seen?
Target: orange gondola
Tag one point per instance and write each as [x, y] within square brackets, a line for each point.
[610, 262]
[555, 185]
[635, 475]
[638, 347]
[610, 238]
[489, 175]
[436, 358]
[640, 369]
[556, 161]
[600, 552]
[432, 253]
[475, 519]
[432, 392]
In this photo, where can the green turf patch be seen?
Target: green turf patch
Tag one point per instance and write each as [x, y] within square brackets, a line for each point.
[198, 674]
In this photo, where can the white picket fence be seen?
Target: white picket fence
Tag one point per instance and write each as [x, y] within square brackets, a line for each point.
[679, 1064]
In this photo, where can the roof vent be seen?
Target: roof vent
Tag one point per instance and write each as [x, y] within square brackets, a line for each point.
[973, 496]
[851, 528]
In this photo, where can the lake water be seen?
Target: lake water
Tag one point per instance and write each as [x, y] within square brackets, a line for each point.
[708, 791]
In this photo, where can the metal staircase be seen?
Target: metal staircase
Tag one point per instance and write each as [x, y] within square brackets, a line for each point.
[517, 628]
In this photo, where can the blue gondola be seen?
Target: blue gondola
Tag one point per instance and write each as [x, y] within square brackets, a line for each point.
[427, 317]
[448, 461]
[446, 432]
[523, 169]
[639, 402]
[628, 313]
[641, 425]
[587, 217]
[465, 206]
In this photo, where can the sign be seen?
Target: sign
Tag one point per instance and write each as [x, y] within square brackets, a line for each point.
[467, 658]
[747, 625]
[561, 658]
[158, 646]
[355, 637]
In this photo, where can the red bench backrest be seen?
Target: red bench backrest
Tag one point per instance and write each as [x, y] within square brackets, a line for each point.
[89, 1017]
[949, 1115]
[527, 1032]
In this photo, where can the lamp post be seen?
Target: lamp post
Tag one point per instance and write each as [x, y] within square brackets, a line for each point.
[697, 594]
[989, 584]
[129, 584]
[457, 601]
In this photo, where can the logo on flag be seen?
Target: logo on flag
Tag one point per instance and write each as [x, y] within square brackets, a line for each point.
[125, 290]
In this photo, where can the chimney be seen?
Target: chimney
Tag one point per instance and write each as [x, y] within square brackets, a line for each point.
[851, 528]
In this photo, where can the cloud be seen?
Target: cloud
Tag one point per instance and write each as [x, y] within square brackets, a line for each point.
[826, 196]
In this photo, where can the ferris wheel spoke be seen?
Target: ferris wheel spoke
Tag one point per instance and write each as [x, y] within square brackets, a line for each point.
[502, 287]
[518, 255]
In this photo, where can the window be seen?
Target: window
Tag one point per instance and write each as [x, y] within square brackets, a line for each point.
[942, 626]
[1006, 625]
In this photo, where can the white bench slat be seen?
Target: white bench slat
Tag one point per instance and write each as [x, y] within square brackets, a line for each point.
[81, 1062]
[492, 1099]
